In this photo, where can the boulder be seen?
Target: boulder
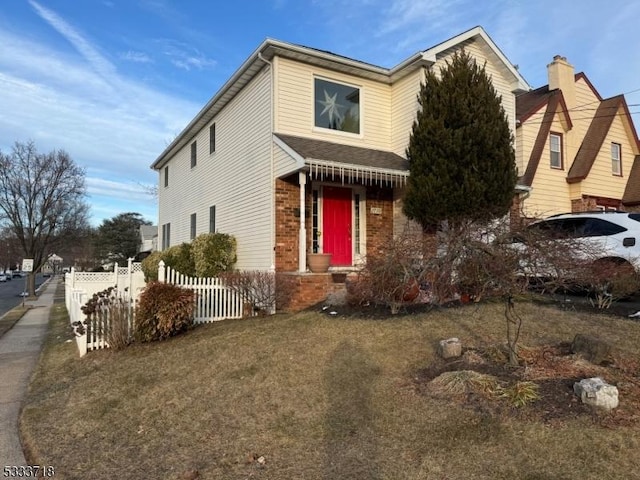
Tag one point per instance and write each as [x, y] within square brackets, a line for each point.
[450, 348]
[591, 348]
[596, 392]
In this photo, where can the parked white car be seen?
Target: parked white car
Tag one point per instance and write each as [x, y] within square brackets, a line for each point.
[3, 277]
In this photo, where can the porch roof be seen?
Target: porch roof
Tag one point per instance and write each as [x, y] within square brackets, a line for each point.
[346, 162]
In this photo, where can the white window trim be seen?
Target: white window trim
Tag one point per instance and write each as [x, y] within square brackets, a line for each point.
[551, 152]
[616, 161]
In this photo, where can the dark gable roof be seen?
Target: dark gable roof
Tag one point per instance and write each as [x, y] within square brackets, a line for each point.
[594, 138]
[310, 149]
[632, 192]
[530, 102]
[553, 101]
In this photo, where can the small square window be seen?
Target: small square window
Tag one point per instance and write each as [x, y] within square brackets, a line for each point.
[337, 106]
[212, 138]
[194, 154]
[616, 163]
[192, 231]
[555, 149]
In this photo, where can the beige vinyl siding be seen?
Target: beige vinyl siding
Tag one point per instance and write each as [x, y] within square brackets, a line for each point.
[283, 163]
[235, 178]
[404, 95]
[601, 182]
[295, 106]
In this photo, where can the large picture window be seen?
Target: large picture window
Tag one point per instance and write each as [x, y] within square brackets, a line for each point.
[337, 106]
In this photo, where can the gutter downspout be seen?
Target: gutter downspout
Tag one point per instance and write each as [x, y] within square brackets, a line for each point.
[272, 179]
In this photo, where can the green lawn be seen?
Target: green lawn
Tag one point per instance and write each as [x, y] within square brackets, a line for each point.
[311, 396]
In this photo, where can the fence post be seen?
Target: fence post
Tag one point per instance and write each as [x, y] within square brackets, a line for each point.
[130, 277]
[161, 271]
[115, 275]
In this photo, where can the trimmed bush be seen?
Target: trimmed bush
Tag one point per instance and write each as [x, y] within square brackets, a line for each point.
[180, 258]
[163, 311]
[150, 266]
[213, 253]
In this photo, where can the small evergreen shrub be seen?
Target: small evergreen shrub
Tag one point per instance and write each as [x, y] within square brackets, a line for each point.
[163, 311]
[213, 253]
[150, 266]
[180, 258]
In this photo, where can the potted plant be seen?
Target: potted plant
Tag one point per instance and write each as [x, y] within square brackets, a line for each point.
[319, 262]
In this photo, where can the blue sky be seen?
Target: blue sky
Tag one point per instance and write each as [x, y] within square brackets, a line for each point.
[112, 82]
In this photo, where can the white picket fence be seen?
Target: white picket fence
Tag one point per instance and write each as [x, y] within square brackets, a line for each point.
[214, 300]
[81, 286]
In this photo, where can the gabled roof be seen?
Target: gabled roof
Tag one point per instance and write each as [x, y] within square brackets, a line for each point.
[148, 232]
[632, 192]
[594, 138]
[317, 150]
[271, 48]
[552, 100]
[527, 104]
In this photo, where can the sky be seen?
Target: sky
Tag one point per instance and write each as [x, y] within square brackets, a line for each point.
[113, 82]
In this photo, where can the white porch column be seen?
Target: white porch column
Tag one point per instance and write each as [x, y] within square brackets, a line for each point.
[302, 251]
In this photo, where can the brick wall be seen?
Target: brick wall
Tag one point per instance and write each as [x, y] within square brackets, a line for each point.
[379, 225]
[588, 203]
[287, 224]
[308, 289]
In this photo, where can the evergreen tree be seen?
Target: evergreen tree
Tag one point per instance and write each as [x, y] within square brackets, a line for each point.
[118, 238]
[461, 158]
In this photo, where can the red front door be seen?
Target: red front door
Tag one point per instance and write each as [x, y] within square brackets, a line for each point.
[336, 224]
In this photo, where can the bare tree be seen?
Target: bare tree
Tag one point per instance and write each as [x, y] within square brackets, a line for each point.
[41, 200]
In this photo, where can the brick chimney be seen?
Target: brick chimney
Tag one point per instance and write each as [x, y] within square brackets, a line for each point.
[562, 76]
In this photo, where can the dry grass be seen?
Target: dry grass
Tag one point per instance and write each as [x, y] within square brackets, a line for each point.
[317, 397]
[9, 319]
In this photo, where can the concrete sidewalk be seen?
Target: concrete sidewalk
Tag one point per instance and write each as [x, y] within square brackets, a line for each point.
[19, 351]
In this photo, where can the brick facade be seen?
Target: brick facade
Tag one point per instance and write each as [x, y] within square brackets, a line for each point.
[309, 289]
[588, 203]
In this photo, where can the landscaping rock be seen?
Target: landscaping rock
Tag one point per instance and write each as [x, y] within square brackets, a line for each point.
[450, 348]
[596, 392]
[593, 349]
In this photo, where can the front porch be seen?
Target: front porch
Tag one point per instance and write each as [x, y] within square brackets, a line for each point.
[333, 205]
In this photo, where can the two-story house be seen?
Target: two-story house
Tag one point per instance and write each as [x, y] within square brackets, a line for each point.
[303, 150]
[575, 150]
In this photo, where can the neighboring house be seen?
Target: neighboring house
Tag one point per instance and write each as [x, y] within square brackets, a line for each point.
[303, 150]
[575, 150]
[148, 240]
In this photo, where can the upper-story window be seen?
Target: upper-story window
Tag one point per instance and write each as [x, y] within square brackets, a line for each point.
[555, 147]
[212, 138]
[194, 154]
[616, 163]
[337, 106]
[166, 176]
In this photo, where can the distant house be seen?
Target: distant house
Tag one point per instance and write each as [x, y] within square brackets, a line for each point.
[148, 241]
[303, 151]
[575, 150]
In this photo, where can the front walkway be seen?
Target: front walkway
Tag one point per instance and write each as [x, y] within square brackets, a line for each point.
[19, 351]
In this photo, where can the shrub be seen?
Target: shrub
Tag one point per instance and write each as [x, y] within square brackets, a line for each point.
[180, 258]
[163, 310]
[262, 291]
[150, 266]
[521, 393]
[109, 316]
[213, 253]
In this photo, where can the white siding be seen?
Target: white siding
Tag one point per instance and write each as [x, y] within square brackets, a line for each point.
[235, 178]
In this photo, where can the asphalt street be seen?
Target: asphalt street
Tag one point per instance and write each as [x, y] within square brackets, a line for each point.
[10, 292]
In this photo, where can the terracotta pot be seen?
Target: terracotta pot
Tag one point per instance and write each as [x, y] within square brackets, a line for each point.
[411, 290]
[318, 262]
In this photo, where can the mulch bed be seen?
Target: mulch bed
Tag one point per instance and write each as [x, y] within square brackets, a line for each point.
[554, 369]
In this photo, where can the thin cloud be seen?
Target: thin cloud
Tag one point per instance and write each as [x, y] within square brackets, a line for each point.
[88, 51]
[136, 57]
[186, 57]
